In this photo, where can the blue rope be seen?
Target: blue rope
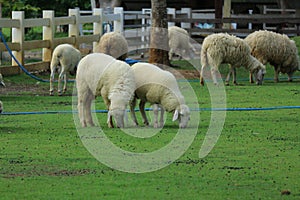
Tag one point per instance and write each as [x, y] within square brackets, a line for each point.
[150, 109]
[19, 64]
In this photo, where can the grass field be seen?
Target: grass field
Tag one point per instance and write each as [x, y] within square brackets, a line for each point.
[256, 157]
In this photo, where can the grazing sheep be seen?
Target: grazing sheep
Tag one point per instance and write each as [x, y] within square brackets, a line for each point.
[179, 42]
[101, 75]
[159, 87]
[224, 48]
[64, 59]
[113, 44]
[276, 49]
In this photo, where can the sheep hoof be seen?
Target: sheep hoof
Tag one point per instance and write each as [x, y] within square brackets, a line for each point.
[202, 83]
[227, 84]
[51, 93]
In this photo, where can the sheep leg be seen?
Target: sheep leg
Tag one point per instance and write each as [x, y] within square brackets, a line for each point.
[142, 110]
[80, 107]
[251, 77]
[228, 76]
[65, 83]
[155, 111]
[162, 112]
[132, 112]
[233, 71]
[214, 75]
[87, 108]
[201, 75]
[60, 78]
[290, 77]
[51, 82]
[110, 123]
[277, 70]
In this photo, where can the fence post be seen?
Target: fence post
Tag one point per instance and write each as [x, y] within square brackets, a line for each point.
[74, 28]
[17, 36]
[171, 11]
[48, 34]
[227, 13]
[98, 26]
[119, 24]
[146, 23]
[188, 11]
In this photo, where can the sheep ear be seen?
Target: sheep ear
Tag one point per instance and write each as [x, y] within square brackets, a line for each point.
[175, 116]
[108, 116]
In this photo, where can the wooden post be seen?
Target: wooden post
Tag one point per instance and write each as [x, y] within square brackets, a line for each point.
[119, 24]
[98, 26]
[74, 28]
[227, 13]
[188, 11]
[297, 14]
[218, 12]
[48, 34]
[18, 37]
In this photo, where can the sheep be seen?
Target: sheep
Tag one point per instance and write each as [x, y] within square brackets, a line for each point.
[99, 74]
[64, 59]
[159, 87]
[179, 41]
[113, 44]
[224, 48]
[276, 49]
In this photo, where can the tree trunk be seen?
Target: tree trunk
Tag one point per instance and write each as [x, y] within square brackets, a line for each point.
[159, 42]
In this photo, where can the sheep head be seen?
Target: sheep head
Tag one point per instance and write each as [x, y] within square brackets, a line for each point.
[118, 115]
[182, 113]
[258, 69]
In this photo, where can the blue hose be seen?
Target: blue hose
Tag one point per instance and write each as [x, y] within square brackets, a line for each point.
[149, 109]
[19, 64]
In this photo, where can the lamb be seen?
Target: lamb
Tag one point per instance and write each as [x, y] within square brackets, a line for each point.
[113, 44]
[64, 59]
[159, 87]
[276, 49]
[179, 42]
[224, 48]
[102, 75]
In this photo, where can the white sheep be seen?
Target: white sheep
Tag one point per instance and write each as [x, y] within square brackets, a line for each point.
[179, 42]
[113, 44]
[159, 87]
[102, 75]
[276, 49]
[228, 49]
[64, 59]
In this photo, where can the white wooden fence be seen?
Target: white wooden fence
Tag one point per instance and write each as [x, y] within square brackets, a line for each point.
[49, 22]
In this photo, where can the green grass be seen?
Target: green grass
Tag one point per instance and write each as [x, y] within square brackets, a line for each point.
[256, 156]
